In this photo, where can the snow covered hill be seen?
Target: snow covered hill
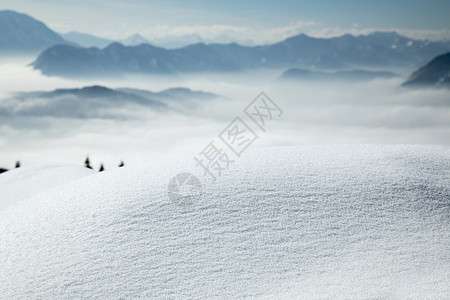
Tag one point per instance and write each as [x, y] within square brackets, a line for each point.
[19, 184]
[287, 222]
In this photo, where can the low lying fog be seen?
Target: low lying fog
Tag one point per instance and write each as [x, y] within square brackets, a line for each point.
[378, 111]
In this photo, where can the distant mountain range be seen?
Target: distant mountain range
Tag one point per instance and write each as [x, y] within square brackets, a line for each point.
[173, 42]
[22, 34]
[434, 74]
[353, 75]
[168, 42]
[379, 50]
[88, 40]
[98, 102]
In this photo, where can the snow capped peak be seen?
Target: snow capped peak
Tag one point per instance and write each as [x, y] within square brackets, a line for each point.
[134, 40]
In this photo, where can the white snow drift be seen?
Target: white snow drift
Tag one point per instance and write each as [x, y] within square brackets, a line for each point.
[304, 222]
[20, 184]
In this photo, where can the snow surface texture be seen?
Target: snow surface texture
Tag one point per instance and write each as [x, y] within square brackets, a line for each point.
[22, 183]
[288, 222]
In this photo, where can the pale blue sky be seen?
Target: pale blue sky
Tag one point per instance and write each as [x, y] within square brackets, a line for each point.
[118, 18]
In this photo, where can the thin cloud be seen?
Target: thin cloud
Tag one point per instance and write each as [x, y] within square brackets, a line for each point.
[226, 33]
[315, 113]
[418, 34]
[257, 35]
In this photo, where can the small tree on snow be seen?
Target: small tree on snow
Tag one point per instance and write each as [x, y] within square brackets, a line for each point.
[101, 168]
[87, 163]
[17, 164]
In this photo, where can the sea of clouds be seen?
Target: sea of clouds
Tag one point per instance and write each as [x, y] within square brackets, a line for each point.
[379, 111]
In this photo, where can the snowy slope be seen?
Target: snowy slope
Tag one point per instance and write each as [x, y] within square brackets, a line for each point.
[305, 222]
[19, 184]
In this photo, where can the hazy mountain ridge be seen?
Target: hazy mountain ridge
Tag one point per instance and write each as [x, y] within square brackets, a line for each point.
[380, 49]
[167, 42]
[354, 75]
[436, 73]
[89, 40]
[171, 94]
[22, 34]
[96, 101]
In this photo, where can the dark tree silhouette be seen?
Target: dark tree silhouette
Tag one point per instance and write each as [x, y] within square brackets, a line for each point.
[17, 164]
[87, 163]
[101, 168]
[3, 170]
[121, 164]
